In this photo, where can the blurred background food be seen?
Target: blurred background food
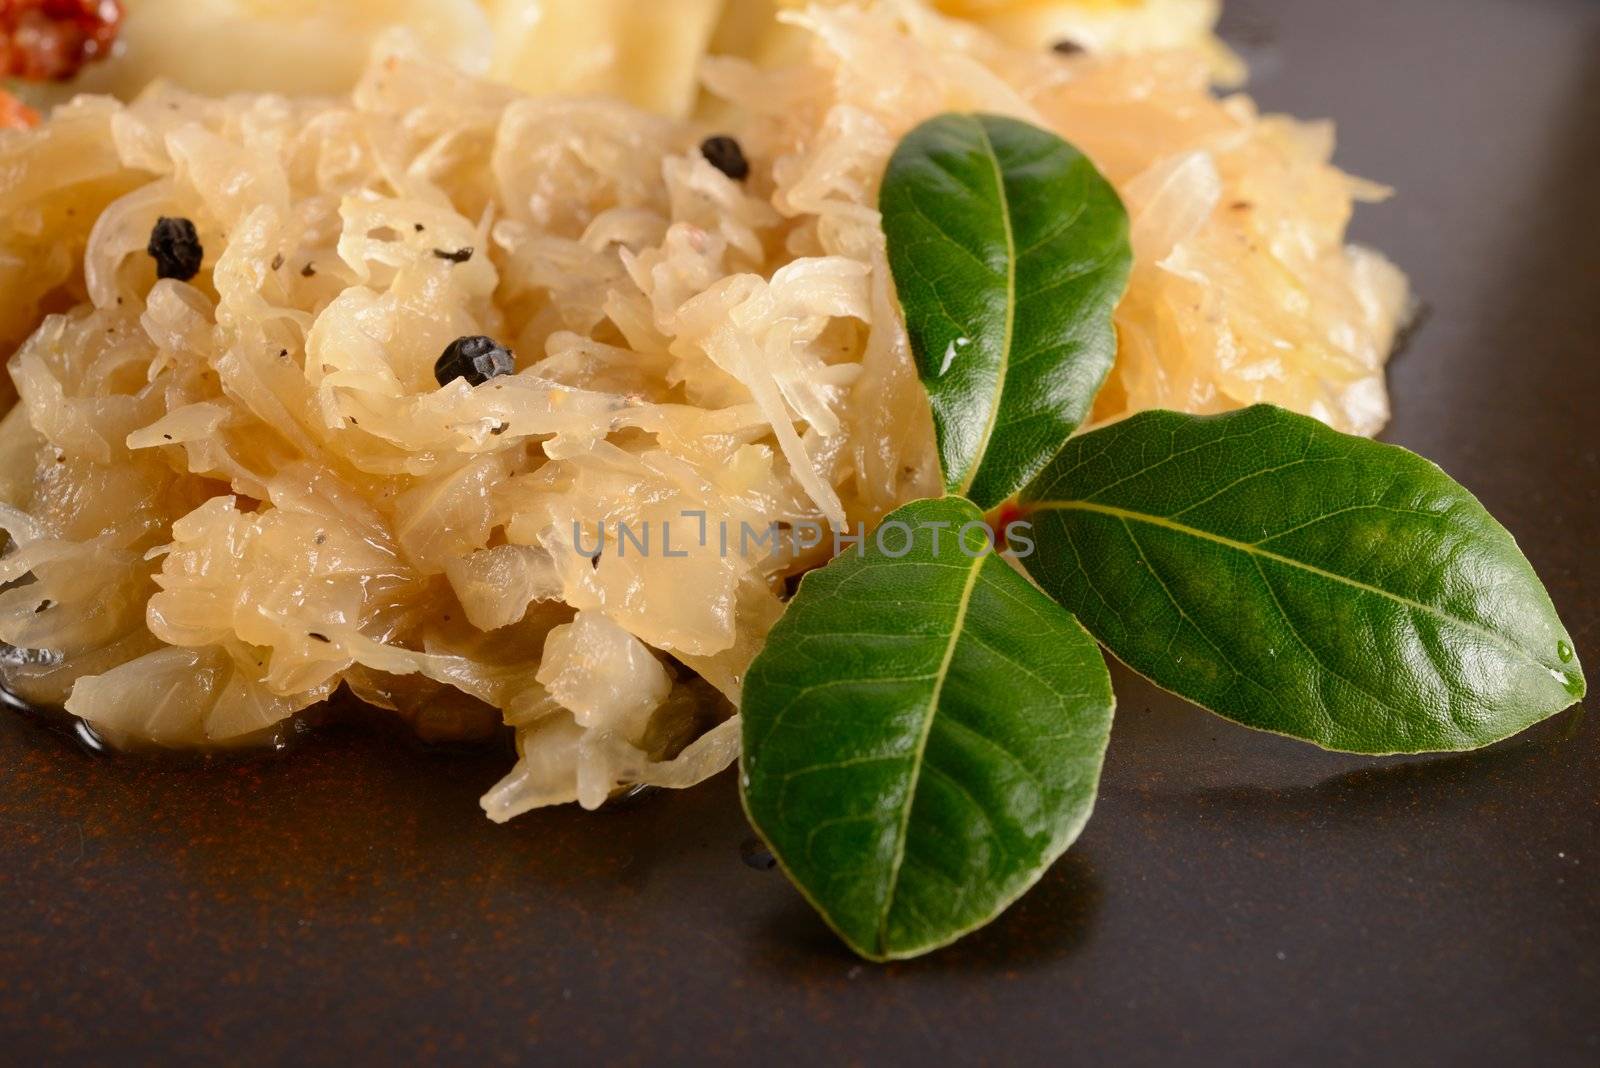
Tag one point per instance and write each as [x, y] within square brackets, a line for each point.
[646, 51]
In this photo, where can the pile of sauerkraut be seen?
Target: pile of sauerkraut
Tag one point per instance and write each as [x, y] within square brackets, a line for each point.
[229, 497]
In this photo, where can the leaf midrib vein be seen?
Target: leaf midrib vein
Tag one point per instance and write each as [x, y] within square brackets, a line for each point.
[1011, 309]
[919, 752]
[1127, 515]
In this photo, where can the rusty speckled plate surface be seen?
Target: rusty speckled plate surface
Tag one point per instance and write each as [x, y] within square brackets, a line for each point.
[1237, 896]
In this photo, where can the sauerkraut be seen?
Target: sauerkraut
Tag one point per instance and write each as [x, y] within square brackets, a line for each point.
[227, 498]
[644, 51]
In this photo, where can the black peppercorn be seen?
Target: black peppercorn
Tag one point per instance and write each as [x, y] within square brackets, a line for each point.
[724, 153]
[175, 247]
[757, 855]
[475, 358]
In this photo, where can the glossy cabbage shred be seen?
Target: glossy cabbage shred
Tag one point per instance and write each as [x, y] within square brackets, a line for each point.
[229, 497]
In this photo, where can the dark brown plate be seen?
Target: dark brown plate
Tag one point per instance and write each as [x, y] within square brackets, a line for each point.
[1237, 896]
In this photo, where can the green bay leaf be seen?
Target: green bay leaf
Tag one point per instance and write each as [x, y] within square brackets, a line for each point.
[922, 735]
[1009, 253]
[1301, 581]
